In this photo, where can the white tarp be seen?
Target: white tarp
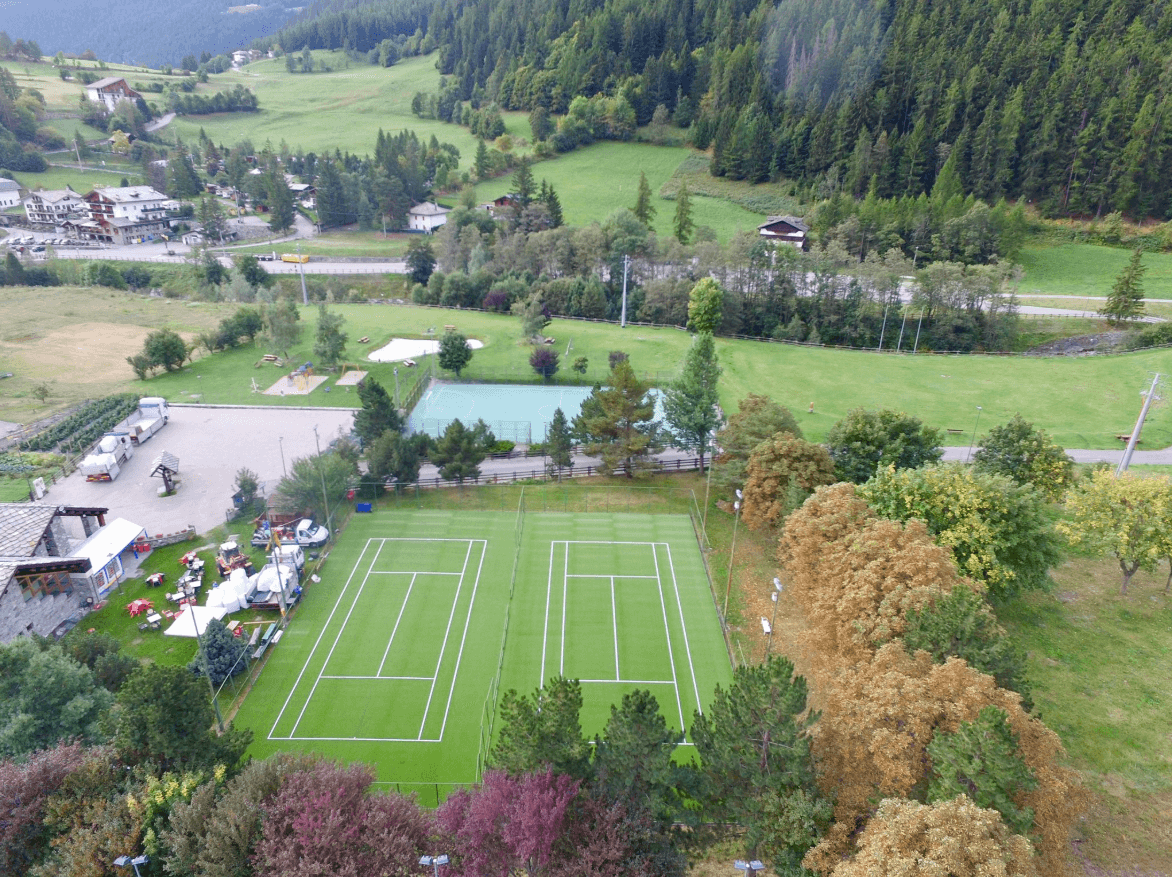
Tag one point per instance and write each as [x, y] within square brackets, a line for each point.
[400, 349]
[193, 617]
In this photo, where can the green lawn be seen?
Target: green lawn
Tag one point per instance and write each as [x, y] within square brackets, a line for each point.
[82, 181]
[341, 243]
[1088, 269]
[395, 657]
[1082, 402]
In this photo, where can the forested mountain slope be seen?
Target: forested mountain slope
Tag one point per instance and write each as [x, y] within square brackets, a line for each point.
[141, 31]
[1061, 102]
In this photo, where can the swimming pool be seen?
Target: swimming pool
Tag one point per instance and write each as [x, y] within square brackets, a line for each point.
[514, 412]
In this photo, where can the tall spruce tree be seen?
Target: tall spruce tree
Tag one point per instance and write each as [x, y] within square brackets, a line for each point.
[644, 209]
[1126, 301]
[683, 225]
[690, 402]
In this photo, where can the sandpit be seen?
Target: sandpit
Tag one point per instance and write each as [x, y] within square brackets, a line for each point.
[287, 386]
[400, 349]
[350, 379]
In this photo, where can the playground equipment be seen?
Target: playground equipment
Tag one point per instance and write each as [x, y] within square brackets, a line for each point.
[300, 377]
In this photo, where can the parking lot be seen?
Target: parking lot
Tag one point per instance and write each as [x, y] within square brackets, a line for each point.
[212, 445]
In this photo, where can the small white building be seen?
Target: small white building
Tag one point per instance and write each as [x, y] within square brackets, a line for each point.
[427, 216]
[110, 91]
[54, 206]
[106, 550]
[9, 193]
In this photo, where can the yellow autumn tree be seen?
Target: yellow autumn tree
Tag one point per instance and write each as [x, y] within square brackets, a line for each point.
[955, 838]
[877, 720]
[856, 576]
[1126, 517]
[782, 470]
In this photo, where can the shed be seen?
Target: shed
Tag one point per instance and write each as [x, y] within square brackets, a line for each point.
[104, 550]
[166, 466]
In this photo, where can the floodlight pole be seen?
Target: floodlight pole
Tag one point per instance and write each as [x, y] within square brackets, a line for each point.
[731, 557]
[434, 862]
[626, 267]
[281, 445]
[123, 861]
[301, 268]
[322, 473]
[773, 623]
[1125, 460]
[968, 457]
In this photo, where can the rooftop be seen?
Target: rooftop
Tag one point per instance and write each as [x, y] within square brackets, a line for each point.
[131, 194]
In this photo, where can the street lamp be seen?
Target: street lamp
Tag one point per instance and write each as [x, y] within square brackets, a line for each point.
[973, 440]
[123, 861]
[750, 868]
[776, 593]
[434, 861]
[732, 555]
[281, 444]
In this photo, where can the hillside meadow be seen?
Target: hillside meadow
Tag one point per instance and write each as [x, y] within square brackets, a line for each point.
[1087, 270]
[77, 340]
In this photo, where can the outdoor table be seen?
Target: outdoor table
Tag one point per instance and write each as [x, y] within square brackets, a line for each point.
[154, 619]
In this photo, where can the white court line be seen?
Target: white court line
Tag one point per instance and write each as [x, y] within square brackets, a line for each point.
[631, 681]
[322, 633]
[548, 599]
[588, 575]
[330, 654]
[381, 678]
[601, 542]
[614, 617]
[464, 638]
[447, 632]
[670, 652]
[395, 629]
[373, 739]
[687, 646]
[565, 592]
[411, 572]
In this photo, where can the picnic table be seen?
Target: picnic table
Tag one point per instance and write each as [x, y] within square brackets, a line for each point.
[139, 606]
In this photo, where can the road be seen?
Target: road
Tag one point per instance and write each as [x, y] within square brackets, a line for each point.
[1157, 457]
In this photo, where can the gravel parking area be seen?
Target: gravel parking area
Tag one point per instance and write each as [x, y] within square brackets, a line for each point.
[212, 444]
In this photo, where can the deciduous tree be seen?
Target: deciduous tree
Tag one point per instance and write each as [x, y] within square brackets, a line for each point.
[998, 530]
[782, 471]
[705, 306]
[690, 403]
[534, 314]
[301, 491]
[863, 441]
[394, 456]
[544, 361]
[282, 325]
[165, 348]
[758, 418]
[420, 260]
[1026, 455]
[958, 838]
[454, 352]
[25, 788]
[617, 423]
[1126, 517]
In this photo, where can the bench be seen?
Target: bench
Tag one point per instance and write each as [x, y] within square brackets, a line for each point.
[1127, 438]
[255, 638]
[268, 636]
[233, 624]
[956, 432]
[449, 327]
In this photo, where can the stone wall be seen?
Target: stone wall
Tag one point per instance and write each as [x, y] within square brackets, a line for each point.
[39, 615]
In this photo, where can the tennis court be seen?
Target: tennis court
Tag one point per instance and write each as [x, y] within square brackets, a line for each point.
[423, 618]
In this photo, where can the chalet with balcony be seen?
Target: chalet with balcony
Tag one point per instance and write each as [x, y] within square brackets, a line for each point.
[786, 230]
[54, 206]
[110, 91]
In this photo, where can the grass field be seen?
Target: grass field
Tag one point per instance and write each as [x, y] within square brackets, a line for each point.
[82, 181]
[341, 243]
[1088, 269]
[1083, 402]
[393, 657]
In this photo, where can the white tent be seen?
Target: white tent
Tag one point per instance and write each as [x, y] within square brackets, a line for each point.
[193, 617]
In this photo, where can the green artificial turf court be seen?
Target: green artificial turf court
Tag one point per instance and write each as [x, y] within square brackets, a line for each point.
[422, 618]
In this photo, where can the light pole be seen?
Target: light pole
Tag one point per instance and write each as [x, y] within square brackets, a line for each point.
[626, 268]
[973, 441]
[322, 473]
[281, 444]
[731, 556]
[774, 596]
[434, 861]
[123, 861]
[396, 387]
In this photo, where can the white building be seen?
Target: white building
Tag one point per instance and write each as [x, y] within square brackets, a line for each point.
[427, 216]
[110, 91]
[54, 206]
[9, 193]
[135, 203]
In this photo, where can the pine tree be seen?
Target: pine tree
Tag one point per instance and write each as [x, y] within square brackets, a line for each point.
[682, 225]
[1126, 299]
[690, 403]
[644, 209]
[558, 443]
[523, 182]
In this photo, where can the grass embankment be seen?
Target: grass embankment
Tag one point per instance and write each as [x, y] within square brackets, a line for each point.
[338, 243]
[87, 334]
[1081, 270]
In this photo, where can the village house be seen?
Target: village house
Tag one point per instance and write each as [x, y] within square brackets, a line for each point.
[110, 91]
[131, 214]
[54, 206]
[427, 216]
[9, 193]
[785, 230]
[47, 576]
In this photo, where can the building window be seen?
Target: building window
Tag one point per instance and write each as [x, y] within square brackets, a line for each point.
[44, 584]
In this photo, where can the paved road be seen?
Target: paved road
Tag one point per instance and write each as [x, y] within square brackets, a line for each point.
[1158, 457]
[212, 445]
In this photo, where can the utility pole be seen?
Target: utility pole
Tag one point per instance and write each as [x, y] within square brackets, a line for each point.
[626, 266]
[301, 267]
[1139, 425]
[320, 471]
